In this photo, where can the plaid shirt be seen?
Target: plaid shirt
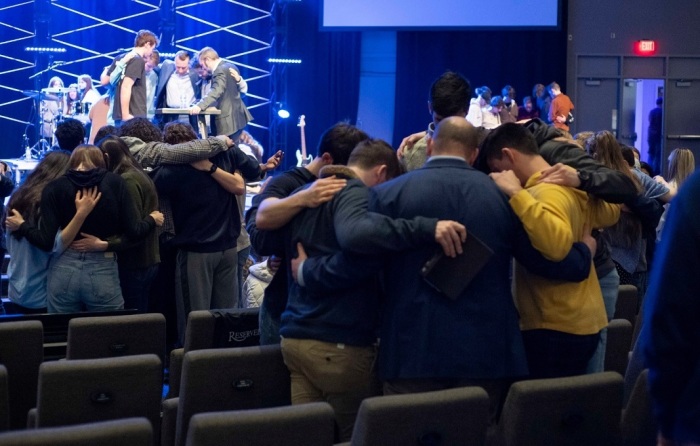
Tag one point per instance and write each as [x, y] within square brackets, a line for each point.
[153, 154]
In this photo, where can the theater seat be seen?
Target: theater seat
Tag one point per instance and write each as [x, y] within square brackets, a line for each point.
[301, 425]
[574, 411]
[454, 416]
[638, 425]
[222, 329]
[4, 401]
[231, 379]
[111, 336]
[21, 352]
[89, 390]
[618, 345]
[125, 432]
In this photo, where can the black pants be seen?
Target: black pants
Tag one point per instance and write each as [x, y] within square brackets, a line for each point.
[555, 354]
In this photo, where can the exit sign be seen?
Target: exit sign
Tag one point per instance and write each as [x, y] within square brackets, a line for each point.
[645, 47]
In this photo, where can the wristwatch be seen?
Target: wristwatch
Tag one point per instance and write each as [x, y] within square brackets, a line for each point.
[212, 169]
[583, 177]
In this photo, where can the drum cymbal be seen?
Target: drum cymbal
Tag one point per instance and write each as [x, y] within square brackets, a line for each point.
[55, 90]
[38, 95]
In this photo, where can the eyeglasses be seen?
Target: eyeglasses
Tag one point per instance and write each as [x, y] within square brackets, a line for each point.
[431, 130]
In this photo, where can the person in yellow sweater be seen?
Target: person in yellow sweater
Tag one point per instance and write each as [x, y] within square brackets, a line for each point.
[560, 321]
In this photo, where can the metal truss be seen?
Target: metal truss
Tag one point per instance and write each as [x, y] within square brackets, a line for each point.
[14, 34]
[237, 46]
[94, 32]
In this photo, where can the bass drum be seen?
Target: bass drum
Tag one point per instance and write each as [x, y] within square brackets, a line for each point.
[80, 108]
[80, 111]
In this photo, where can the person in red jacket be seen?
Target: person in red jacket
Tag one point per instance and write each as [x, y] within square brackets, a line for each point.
[560, 108]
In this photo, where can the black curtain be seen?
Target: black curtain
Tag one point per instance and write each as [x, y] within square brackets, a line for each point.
[325, 87]
[491, 58]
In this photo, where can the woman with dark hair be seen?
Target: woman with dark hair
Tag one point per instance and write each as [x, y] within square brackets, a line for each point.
[28, 268]
[72, 100]
[137, 261]
[80, 279]
[88, 94]
[52, 106]
[626, 239]
[178, 132]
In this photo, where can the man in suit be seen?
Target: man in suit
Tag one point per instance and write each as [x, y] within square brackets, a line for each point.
[429, 341]
[203, 89]
[328, 339]
[227, 87]
[177, 86]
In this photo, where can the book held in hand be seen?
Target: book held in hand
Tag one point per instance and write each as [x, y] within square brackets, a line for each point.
[451, 275]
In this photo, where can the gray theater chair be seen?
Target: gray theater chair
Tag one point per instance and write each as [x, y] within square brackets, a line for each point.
[21, 352]
[617, 348]
[175, 372]
[125, 432]
[445, 417]
[574, 411]
[111, 336]
[4, 401]
[89, 390]
[168, 423]
[202, 333]
[230, 379]
[638, 425]
[627, 305]
[301, 425]
[222, 329]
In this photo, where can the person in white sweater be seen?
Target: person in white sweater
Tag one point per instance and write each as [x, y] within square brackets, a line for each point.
[259, 277]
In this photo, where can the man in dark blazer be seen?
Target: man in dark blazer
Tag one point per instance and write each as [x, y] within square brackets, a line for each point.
[429, 341]
[173, 89]
[227, 87]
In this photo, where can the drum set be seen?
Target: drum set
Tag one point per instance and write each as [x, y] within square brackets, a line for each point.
[55, 105]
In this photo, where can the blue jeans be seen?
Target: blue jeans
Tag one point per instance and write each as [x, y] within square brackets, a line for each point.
[84, 279]
[609, 286]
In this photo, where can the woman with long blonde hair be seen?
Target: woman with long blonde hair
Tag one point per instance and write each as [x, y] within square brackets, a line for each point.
[681, 164]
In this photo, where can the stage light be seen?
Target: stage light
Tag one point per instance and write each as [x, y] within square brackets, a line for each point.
[44, 49]
[284, 61]
[281, 110]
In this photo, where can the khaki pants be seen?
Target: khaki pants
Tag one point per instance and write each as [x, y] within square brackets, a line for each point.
[341, 375]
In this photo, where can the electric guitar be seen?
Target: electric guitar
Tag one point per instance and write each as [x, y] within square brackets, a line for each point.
[302, 158]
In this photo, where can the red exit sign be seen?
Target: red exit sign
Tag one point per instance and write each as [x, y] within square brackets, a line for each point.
[645, 47]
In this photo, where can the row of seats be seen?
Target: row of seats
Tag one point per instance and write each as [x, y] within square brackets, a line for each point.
[583, 410]
[202, 334]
